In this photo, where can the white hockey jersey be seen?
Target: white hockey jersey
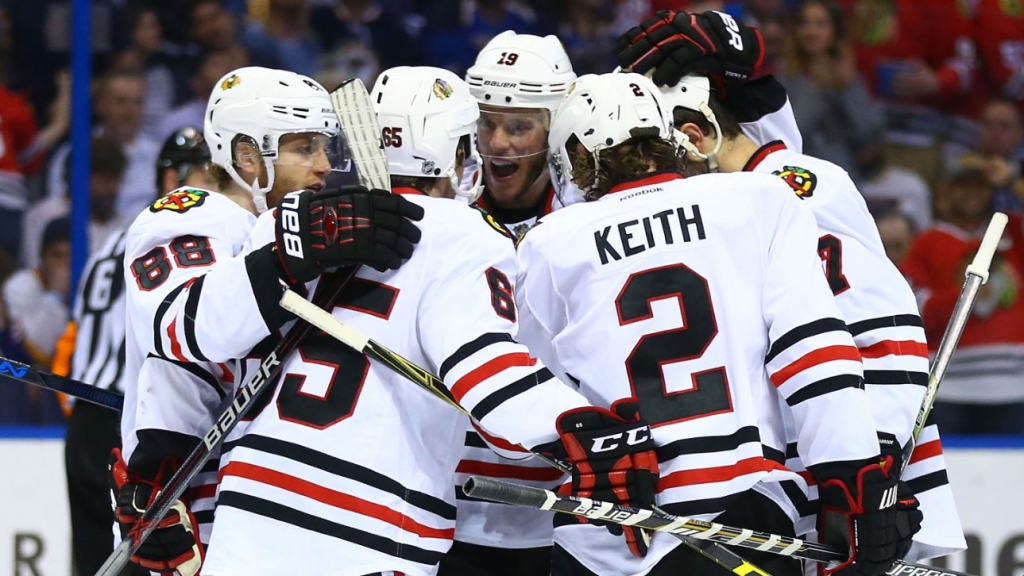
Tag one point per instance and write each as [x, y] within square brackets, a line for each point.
[186, 279]
[349, 468]
[704, 299]
[877, 304]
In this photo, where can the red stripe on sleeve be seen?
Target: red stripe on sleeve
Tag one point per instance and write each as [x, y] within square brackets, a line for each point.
[198, 492]
[815, 358]
[488, 369]
[545, 474]
[895, 348]
[175, 345]
[334, 498]
[926, 451]
[718, 473]
[497, 441]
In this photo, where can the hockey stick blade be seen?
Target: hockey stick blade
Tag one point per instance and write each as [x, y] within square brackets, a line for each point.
[364, 344]
[243, 400]
[24, 373]
[976, 275]
[539, 498]
[359, 123]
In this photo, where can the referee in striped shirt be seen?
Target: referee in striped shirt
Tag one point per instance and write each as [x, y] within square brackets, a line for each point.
[92, 351]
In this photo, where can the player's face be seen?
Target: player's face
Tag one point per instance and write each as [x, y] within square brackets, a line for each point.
[303, 162]
[513, 144]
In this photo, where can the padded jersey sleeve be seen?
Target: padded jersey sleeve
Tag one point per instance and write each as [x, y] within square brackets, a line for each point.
[195, 291]
[764, 112]
[467, 323]
[812, 360]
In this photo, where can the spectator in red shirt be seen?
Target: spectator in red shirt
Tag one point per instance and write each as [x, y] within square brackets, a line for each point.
[1000, 39]
[983, 391]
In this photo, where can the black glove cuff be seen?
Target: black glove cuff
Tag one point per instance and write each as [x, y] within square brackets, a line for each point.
[265, 272]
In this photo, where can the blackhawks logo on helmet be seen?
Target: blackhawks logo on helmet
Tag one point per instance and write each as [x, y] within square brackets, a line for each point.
[442, 89]
[230, 82]
[180, 201]
[800, 180]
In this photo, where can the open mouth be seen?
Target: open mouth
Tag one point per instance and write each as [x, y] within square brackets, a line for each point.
[503, 169]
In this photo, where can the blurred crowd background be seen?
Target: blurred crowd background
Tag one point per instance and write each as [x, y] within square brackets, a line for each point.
[919, 100]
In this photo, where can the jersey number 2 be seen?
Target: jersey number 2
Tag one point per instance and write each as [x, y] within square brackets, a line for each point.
[709, 393]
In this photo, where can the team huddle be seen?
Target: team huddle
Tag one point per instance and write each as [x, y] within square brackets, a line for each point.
[635, 273]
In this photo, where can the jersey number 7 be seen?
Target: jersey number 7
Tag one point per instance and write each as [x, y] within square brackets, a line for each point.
[710, 392]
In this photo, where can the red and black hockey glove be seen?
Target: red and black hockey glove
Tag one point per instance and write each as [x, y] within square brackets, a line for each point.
[908, 508]
[676, 44]
[343, 227]
[859, 512]
[613, 459]
[174, 547]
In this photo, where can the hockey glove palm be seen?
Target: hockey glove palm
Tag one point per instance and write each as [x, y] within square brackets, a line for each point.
[861, 513]
[612, 457]
[677, 44]
[174, 546]
[343, 227]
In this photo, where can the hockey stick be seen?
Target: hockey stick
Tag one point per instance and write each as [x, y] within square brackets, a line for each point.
[539, 498]
[365, 345]
[977, 274]
[360, 126]
[25, 373]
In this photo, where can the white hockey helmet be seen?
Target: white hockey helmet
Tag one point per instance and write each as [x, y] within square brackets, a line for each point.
[429, 110]
[603, 111]
[694, 93]
[521, 71]
[264, 104]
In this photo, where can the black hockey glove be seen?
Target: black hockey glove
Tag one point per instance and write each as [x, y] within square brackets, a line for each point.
[676, 44]
[908, 508]
[859, 512]
[342, 227]
[174, 546]
[612, 457]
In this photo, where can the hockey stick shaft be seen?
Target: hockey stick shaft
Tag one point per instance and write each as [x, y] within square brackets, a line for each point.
[539, 498]
[225, 423]
[977, 274]
[25, 373]
[364, 344]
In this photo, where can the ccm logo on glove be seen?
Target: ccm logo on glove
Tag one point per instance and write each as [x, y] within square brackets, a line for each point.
[634, 437]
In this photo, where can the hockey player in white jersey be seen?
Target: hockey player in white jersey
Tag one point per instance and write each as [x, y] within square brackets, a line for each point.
[711, 308]
[519, 81]
[348, 469]
[875, 301]
[436, 116]
[200, 294]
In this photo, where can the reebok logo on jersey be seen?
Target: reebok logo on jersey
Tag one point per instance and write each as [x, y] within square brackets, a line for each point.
[800, 180]
[611, 442]
[180, 201]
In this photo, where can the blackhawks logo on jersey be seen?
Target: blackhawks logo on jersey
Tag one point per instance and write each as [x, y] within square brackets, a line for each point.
[494, 223]
[800, 180]
[180, 201]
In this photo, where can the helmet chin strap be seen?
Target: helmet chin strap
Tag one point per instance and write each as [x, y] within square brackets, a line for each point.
[472, 193]
[259, 194]
[710, 157]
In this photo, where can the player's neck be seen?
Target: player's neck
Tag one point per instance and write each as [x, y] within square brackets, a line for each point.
[735, 153]
[534, 195]
[240, 196]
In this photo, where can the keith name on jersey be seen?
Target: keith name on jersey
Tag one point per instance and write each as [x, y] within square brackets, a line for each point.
[635, 236]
